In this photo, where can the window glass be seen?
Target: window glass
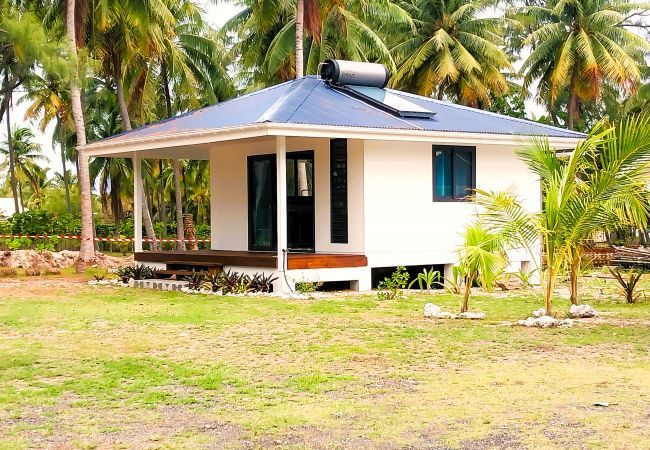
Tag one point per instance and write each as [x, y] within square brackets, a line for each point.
[291, 177]
[443, 173]
[462, 173]
[305, 177]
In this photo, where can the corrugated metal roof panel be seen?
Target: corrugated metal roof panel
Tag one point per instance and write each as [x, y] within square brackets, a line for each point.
[310, 101]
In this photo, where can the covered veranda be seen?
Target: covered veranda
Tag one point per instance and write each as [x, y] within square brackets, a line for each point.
[288, 262]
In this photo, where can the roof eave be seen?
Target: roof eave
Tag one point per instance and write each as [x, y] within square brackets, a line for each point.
[112, 147]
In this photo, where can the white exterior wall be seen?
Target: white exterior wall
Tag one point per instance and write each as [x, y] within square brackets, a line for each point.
[229, 192]
[404, 226]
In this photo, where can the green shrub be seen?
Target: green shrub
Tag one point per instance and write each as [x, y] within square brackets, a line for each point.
[390, 288]
[307, 287]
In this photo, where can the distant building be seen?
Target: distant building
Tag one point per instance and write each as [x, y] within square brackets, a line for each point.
[6, 208]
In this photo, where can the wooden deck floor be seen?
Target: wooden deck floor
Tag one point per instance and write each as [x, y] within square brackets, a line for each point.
[256, 259]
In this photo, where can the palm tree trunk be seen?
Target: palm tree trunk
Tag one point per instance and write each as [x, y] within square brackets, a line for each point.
[178, 195]
[66, 182]
[548, 293]
[575, 269]
[12, 169]
[119, 87]
[441, 91]
[465, 306]
[20, 196]
[300, 17]
[126, 121]
[572, 105]
[87, 248]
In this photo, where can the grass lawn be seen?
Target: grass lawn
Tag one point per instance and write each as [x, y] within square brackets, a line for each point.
[105, 367]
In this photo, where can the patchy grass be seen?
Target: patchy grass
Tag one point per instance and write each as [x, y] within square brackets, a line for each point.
[91, 367]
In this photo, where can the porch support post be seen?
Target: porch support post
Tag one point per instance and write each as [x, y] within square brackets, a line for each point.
[137, 202]
[281, 182]
[213, 201]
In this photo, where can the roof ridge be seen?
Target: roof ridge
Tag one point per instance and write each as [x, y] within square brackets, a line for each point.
[487, 113]
[193, 111]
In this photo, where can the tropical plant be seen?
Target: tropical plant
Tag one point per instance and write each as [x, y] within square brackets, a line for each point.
[579, 46]
[454, 50]
[525, 277]
[25, 155]
[307, 287]
[390, 287]
[628, 283]
[427, 279]
[196, 281]
[599, 186]
[481, 258]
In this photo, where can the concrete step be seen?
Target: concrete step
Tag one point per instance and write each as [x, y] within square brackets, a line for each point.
[161, 285]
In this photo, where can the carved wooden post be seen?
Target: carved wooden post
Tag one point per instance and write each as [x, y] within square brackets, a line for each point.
[190, 232]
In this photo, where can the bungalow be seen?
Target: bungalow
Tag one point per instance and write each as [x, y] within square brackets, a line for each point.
[336, 177]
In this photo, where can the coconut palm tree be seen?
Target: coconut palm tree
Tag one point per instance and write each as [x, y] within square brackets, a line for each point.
[599, 186]
[481, 258]
[268, 36]
[454, 51]
[26, 154]
[579, 46]
[73, 22]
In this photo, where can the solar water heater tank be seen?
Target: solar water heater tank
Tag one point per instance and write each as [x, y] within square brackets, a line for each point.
[341, 72]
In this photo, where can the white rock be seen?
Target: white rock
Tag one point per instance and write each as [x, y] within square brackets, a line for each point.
[434, 312]
[545, 322]
[472, 315]
[539, 312]
[581, 311]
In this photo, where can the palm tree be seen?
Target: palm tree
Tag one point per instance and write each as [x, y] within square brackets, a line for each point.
[25, 155]
[481, 259]
[599, 186]
[346, 29]
[50, 102]
[579, 46]
[454, 51]
[87, 247]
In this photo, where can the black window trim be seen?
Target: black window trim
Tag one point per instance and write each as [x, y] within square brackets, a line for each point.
[451, 149]
[344, 229]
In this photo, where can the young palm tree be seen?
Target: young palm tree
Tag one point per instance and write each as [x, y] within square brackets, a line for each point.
[453, 51]
[579, 46]
[599, 185]
[481, 259]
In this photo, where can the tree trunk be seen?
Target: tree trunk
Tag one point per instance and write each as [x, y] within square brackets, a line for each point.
[117, 76]
[300, 17]
[548, 293]
[162, 204]
[180, 229]
[20, 196]
[572, 104]
[178, 195]
[87, 248]
[12, 169]
[148, 224]
[441, 91]
[66, 182]
[465, 306]
[575, 271]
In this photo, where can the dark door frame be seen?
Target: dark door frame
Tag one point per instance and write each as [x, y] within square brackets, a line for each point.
[305, 154]
[251, 192]
[251, 200]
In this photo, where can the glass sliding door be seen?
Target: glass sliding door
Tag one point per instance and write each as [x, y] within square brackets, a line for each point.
[262, 203]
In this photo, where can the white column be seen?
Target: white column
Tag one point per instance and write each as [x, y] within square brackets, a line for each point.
[281, 181]
[137, 201]
[213, 200]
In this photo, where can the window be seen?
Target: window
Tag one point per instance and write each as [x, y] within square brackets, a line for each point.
[339, 191]
[454, 172]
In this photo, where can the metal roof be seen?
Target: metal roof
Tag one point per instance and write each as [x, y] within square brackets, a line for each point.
[309, 101]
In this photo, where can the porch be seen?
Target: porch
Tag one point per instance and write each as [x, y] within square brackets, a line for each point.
[256, 259]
